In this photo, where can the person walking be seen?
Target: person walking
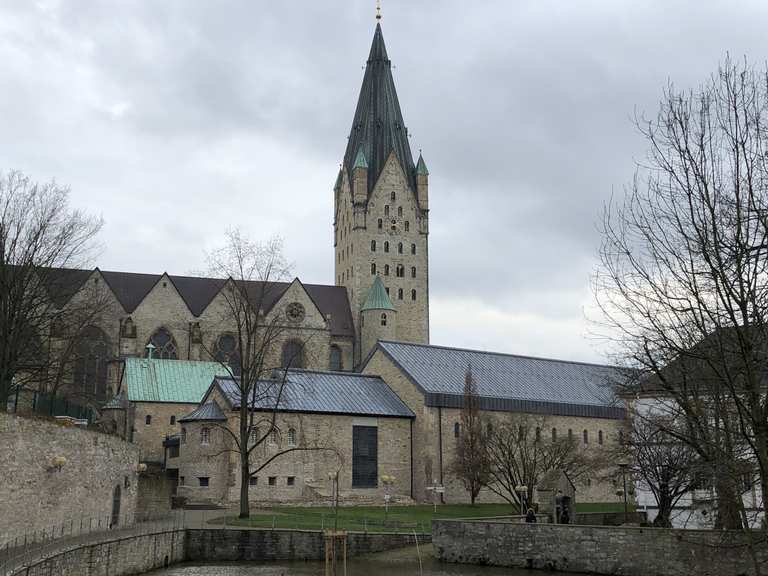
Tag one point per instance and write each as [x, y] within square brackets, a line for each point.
[530, 516]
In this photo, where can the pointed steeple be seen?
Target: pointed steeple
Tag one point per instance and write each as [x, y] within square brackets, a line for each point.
[378, 127]
[421, 167]
[378, 299]
[360, 161]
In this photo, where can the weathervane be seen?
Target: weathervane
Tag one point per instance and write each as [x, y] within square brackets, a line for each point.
[378, 9]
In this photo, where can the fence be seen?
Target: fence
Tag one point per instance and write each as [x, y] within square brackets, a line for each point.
[46, 404]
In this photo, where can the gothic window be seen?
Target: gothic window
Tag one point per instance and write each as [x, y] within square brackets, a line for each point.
[386, 269]
[413, 271]
[400, 211]
[400, 271]
[393, 196]
[373, 267]
[585, 434]
[400, 248]
[225, 351]
[413, 248]
[373, 245]
[336, 361]
[407, 226]
[291, 437]
[91, 356]
[293, 354]
[386, 210]
[383, 319]
[413, 294]
[381, 223]
[165, 345]
[399, 293]
[386, 246]
[205, 435]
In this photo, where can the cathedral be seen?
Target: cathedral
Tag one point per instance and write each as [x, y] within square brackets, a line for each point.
[357, 353]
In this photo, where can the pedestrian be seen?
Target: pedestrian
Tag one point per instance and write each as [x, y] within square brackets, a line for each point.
[530, 516]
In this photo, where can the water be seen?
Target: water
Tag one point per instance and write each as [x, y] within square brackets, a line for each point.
[399, 562]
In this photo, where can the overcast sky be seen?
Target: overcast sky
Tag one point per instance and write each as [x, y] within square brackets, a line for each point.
[178, 119]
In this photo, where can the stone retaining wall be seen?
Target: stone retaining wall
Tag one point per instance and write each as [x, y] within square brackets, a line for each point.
[115, 557]
[257, 545]
[627, 551]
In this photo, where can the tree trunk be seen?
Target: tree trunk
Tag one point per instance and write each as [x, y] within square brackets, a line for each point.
[245, 480]
[662, 519]
[728, 505]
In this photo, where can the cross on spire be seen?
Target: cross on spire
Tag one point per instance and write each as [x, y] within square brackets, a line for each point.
[378, 9]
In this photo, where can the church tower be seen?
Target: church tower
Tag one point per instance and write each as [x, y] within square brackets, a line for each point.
[381, 209]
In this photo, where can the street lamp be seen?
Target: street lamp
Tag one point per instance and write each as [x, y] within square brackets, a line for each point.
[522, 492]
[623, 464]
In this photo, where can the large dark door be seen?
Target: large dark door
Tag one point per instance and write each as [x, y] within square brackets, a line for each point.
[365, 456]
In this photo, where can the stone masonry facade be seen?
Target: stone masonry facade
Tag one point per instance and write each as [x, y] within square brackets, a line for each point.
[54, 475]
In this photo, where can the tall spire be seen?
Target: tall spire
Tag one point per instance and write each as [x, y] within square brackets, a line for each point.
[378, 128]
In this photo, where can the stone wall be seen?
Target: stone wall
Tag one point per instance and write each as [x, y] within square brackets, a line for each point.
[36, 494]
[155, 491]
[114, 557]
[594, 549]
[257, 545]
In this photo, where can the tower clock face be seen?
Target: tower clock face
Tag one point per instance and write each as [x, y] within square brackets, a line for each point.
[295, 312]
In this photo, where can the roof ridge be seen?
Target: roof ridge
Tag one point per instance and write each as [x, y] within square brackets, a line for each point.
[340, 372]
[505, 354]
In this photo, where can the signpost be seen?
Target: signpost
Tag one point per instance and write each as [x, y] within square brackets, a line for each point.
[436, 489]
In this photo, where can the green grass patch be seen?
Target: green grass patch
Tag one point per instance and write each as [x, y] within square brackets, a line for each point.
[377, 519]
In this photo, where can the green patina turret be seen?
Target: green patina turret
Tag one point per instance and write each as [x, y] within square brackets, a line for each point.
[377, 298]
[360, 161]
[421, 167]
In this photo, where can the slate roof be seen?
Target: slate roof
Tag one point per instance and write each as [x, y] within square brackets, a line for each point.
[157, 380]
[131, 288]
[325, 393]
[378, 128]
[508, 382]
[210, 411]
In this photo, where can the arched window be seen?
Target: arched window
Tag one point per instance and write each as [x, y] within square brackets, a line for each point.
[600, 437]
[293, 354]
[413, 248]
[225, 351]
[373, 245]
[400, 211]
[413, 271]
[585, 435]
[254, 435]
[456, 430]
[407, 226]
[336, 360]
[570, 434]
[538, 434]
[173, 420]
[165, 345]
[205, 435]
[383, 319]
[413, 294]
[554, 434]
[386, 210]
[274, 437]
[399, 293]
[91, 356]
[373, 267]
[400, 248]
[386, 246]
[380, 223]
[386, 269]
[393, 196]
[291, 437]
[400, 271]
[148, 419]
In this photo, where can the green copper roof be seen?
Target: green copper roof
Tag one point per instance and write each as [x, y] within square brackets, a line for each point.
[378, 299]
[360, 161]
[182, 381]
[421, 167]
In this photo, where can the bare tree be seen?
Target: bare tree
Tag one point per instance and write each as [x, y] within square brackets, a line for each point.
[520, 456]
[39, 235]
[259, 362]
[682, 282]
[663, 464]
[470, 464]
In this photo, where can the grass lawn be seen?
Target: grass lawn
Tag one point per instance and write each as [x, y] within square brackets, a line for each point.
[376, 519]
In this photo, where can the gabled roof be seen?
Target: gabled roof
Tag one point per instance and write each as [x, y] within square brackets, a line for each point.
[131, 288]
[157, 380]
[324, 393]
[378, 128]
[210, 412]
[377, 298]
[508, 382]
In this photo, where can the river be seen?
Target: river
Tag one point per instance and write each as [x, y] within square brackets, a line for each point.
[403, 562]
